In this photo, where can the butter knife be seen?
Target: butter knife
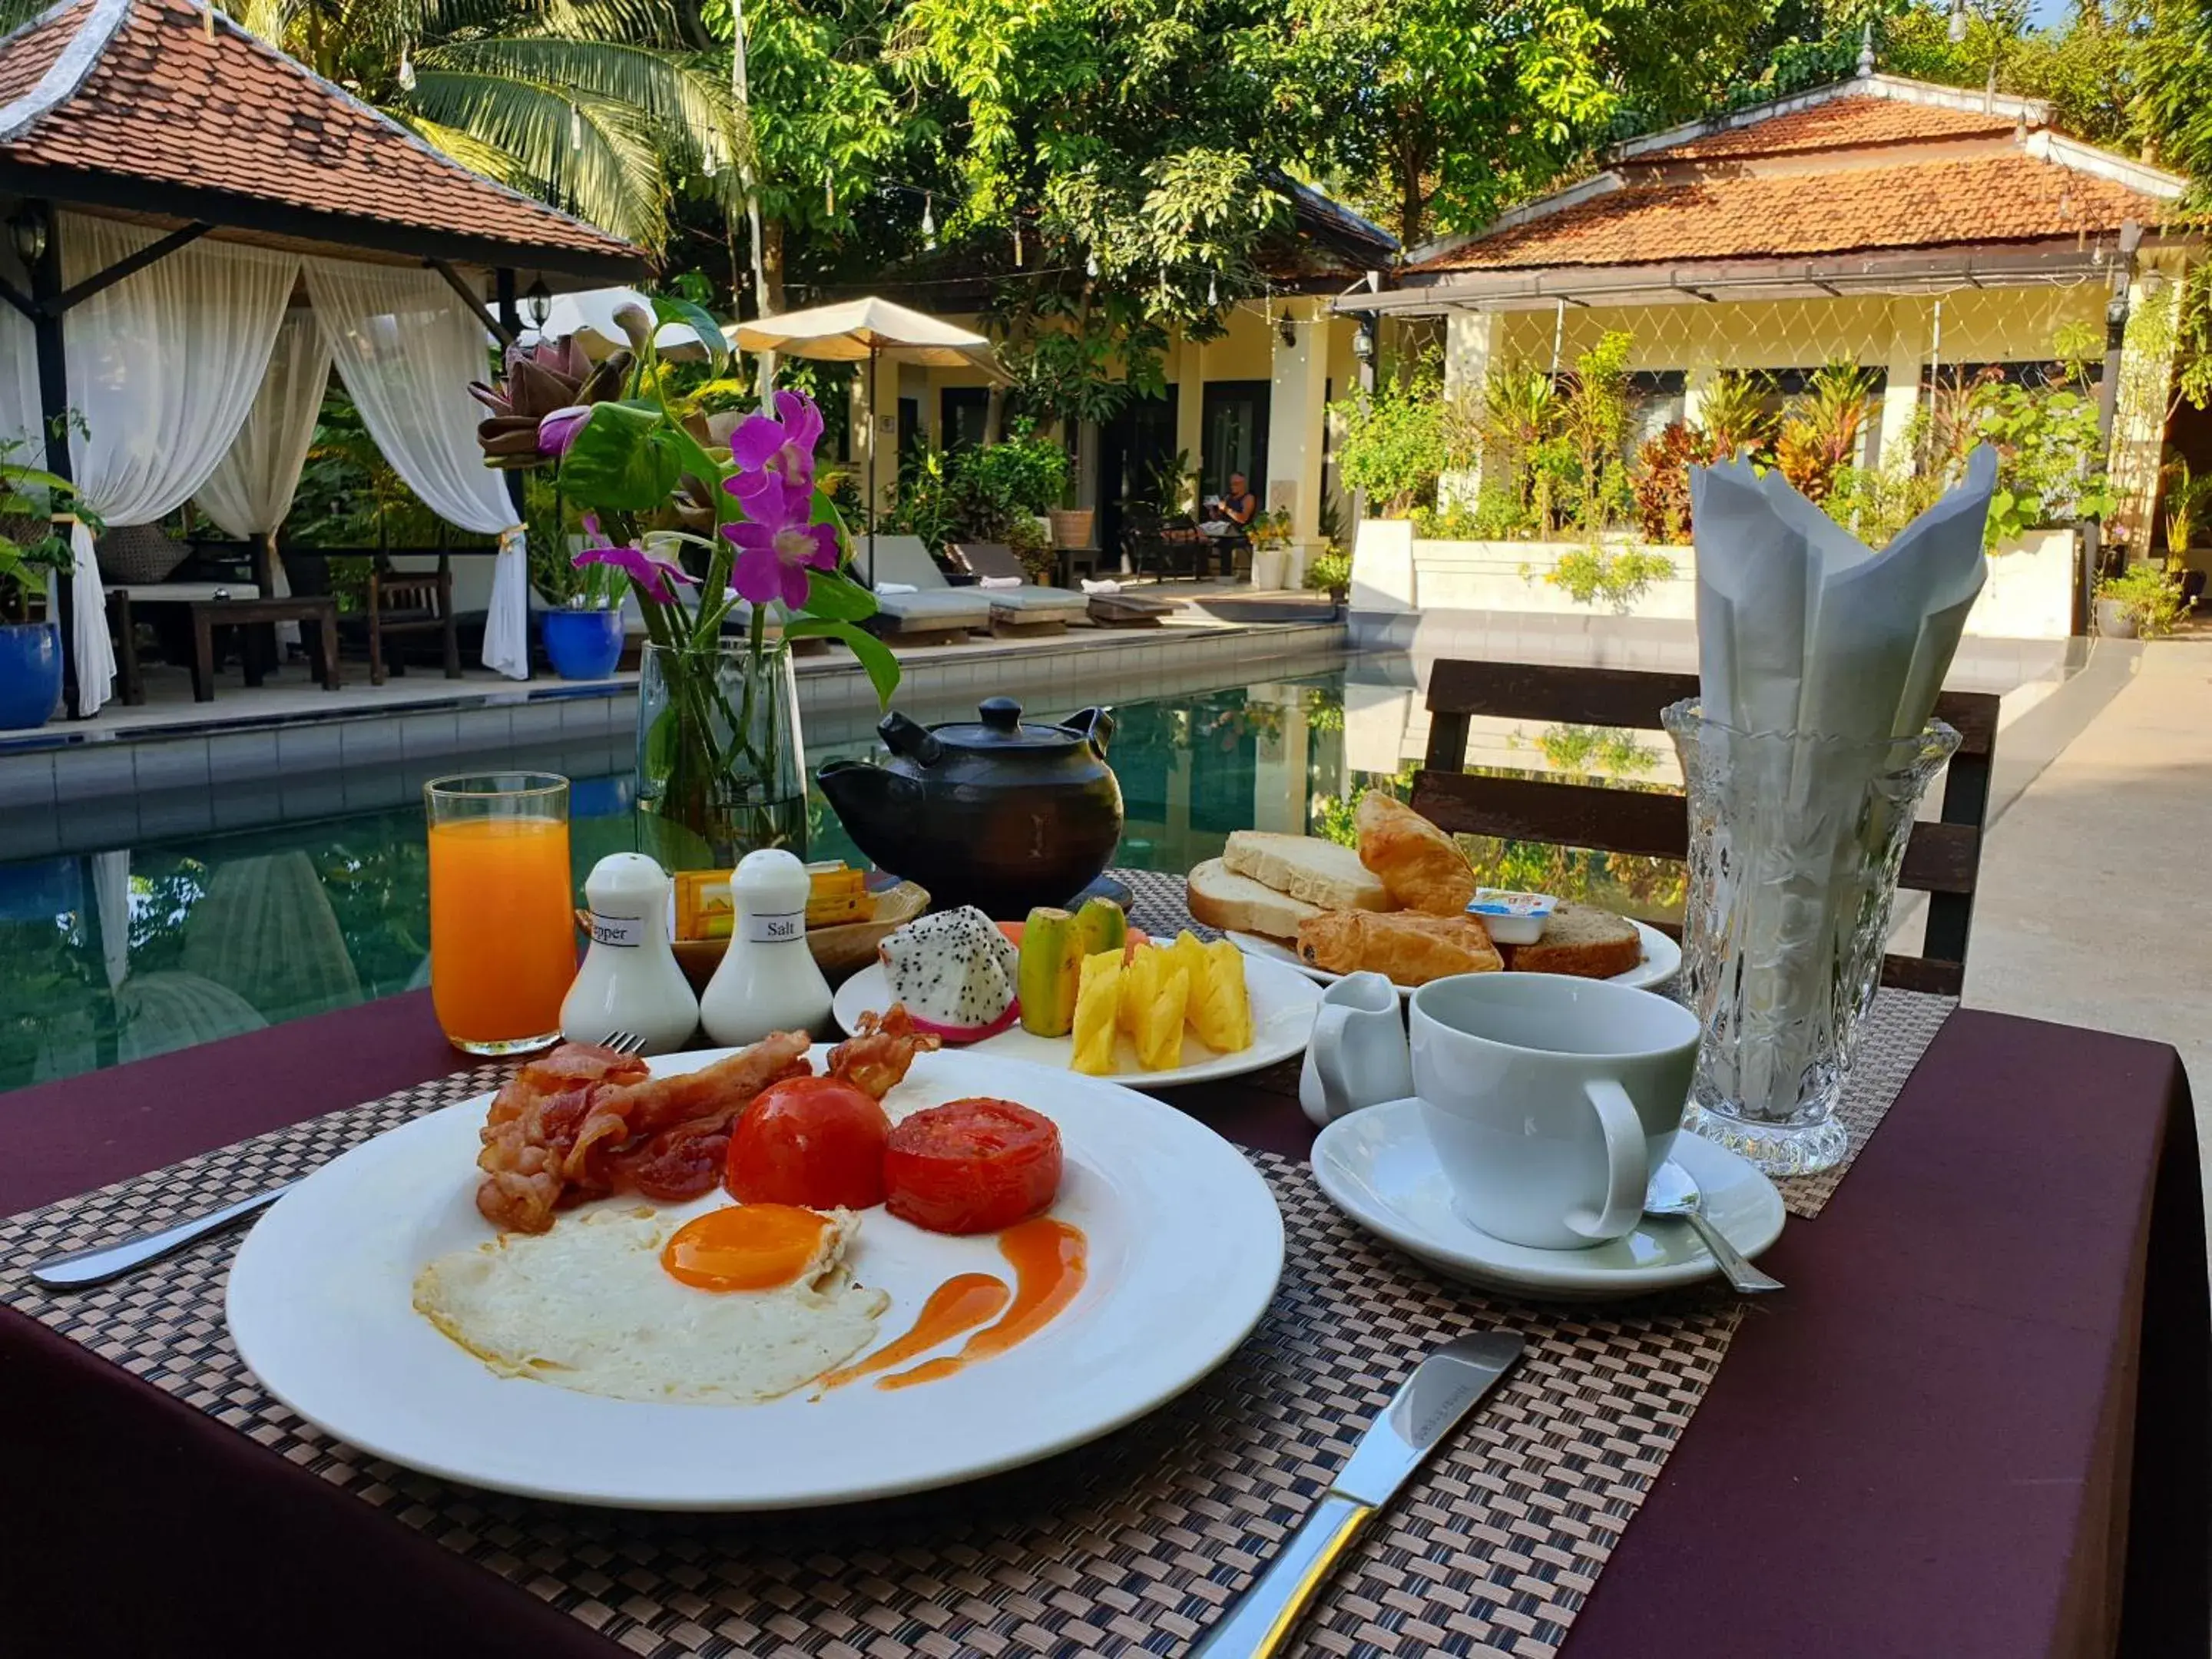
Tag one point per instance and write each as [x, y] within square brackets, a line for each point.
[1427, 1406]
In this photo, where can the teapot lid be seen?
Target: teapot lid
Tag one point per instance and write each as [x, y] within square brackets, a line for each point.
[1001, 730]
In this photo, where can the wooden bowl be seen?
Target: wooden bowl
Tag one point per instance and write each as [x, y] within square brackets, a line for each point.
[843, 951]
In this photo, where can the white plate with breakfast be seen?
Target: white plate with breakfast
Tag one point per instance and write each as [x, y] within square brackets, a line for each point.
[1380, 1168]
[1400, 903]
[719, 1281]
[1084, 991]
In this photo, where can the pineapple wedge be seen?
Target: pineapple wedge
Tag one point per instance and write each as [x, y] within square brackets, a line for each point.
[1160, 1019]
[1140, 982]
[1220, 1008]
[1188, 953]
[1098, 1013]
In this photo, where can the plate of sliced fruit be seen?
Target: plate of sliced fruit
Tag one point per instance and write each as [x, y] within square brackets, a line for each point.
[1083, 991]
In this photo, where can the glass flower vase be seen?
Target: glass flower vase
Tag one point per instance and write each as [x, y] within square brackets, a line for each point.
[721, 768]
[1795, 839]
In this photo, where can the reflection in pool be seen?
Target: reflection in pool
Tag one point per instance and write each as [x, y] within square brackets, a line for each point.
[119, 955]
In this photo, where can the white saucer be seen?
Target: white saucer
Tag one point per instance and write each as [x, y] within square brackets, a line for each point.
[1377, 1167]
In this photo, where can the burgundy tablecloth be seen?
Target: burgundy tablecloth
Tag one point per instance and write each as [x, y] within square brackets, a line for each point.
[1979, 1422]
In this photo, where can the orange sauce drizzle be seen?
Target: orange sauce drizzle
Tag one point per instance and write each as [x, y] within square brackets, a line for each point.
[1048, 1258]
[960, 1304]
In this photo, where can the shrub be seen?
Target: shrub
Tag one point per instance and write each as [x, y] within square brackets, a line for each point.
[1662, 481]
[2147, 593]
[1823, 428]
[1399, 442]
[1592, 574]
[1495, 515]
[1329, 573]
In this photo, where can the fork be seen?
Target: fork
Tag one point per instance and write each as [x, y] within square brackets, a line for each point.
[81, 1269]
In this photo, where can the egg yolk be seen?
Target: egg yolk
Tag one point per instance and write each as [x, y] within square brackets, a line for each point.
[746, 1247]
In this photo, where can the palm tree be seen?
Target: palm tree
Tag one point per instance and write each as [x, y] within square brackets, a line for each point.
[609, 108]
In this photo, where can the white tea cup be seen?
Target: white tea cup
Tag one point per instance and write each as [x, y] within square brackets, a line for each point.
[1550, 1100]
[1357, 1055]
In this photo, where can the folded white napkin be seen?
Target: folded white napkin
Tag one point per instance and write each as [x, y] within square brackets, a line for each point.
[1802, 628]
[1103, 584]
[998, 581]
[887, 589]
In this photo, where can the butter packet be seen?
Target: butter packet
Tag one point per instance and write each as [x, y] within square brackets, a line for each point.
[837, 894]
[703, 909]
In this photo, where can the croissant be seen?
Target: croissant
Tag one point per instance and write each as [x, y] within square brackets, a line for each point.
[1417, 861]
[1410, 949]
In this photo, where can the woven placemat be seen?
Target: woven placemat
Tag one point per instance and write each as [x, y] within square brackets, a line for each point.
[1127, 1546]
[1899, 1029]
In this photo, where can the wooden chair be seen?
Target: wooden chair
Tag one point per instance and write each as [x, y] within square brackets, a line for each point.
[1941, 859]
[403, 602]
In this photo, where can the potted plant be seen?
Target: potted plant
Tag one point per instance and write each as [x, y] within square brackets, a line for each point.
[583, 631]
[2142, 602]
[708, 533]
[30, 652]
[1331, 574]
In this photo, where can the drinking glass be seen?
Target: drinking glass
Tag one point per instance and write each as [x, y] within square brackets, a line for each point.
[1795, 841]
[502, 923]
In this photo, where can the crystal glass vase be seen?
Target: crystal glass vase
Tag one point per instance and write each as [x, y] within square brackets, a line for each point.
[1794, 844]
[721, 770]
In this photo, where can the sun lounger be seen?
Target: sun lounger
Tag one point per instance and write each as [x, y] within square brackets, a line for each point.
[1027, 608]
[935, 607]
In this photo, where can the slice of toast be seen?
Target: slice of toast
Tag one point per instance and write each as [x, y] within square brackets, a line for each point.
[1220, 898]
[1319, 873]
[1580, 940]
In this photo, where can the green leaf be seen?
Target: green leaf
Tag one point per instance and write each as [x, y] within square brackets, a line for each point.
[838, 598]
[875, 657]
[667, 309]
[615, 464]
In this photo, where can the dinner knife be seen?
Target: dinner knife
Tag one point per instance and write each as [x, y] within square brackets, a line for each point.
[1427, 1406]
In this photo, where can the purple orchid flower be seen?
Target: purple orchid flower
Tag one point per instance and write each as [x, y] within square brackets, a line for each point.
[653, 574]
[558, 430]
[782, 445]
[776, 547]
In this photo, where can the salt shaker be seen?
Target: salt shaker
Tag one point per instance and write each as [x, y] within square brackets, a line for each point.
[630, 980]
[768, 980]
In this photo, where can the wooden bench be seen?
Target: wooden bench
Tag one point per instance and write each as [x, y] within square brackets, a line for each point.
[1942, 859]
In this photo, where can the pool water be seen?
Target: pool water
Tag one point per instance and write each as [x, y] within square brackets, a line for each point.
[124, 953]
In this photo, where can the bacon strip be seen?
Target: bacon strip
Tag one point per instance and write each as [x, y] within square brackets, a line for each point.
[584, 1121]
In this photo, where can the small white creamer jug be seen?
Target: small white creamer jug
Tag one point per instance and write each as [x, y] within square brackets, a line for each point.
[768, 980]
[1358, 1054]
[630, 980]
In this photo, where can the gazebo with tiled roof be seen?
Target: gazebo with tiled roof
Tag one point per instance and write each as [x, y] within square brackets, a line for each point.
[167, 116]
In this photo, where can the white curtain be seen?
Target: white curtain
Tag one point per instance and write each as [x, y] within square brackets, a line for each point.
[250, 490]
[407, 348]
[163, 367]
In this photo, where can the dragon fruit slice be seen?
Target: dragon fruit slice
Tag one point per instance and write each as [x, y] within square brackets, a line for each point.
[955, 971]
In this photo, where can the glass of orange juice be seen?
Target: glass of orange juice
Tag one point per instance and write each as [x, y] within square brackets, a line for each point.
[503, 926]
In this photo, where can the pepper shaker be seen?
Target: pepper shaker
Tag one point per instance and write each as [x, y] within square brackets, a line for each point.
[630, 980]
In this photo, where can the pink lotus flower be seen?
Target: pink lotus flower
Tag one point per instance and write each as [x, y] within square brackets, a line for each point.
[776, 546]
[653, 574]
[558, 430]
[780, 447]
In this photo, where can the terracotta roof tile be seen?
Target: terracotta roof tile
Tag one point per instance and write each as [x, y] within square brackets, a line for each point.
[166, 103]
[1937, 203]
[1839, 124]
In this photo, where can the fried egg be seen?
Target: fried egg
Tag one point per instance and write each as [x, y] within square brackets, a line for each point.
[739, 1305]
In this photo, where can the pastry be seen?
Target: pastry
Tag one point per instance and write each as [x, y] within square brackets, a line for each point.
[1409, 948]
[1417, 861]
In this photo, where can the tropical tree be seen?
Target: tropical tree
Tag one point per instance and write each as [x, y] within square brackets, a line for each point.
[610, 108]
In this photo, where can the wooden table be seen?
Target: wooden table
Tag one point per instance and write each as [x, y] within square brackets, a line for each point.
[122, 596]
[207, 615]
[1975, 1426]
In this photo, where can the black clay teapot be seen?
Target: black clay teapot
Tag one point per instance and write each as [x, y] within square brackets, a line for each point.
[1000, 814]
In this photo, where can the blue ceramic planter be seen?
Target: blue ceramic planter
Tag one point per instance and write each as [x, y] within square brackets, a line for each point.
[584, 645]
[30, 674]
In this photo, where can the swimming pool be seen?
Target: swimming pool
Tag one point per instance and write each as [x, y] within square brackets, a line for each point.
[129, 951]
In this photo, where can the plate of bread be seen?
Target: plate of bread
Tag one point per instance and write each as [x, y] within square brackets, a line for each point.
[1396, 905]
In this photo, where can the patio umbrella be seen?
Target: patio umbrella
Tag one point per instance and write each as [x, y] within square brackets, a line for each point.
[590, 316]
[871, 329]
